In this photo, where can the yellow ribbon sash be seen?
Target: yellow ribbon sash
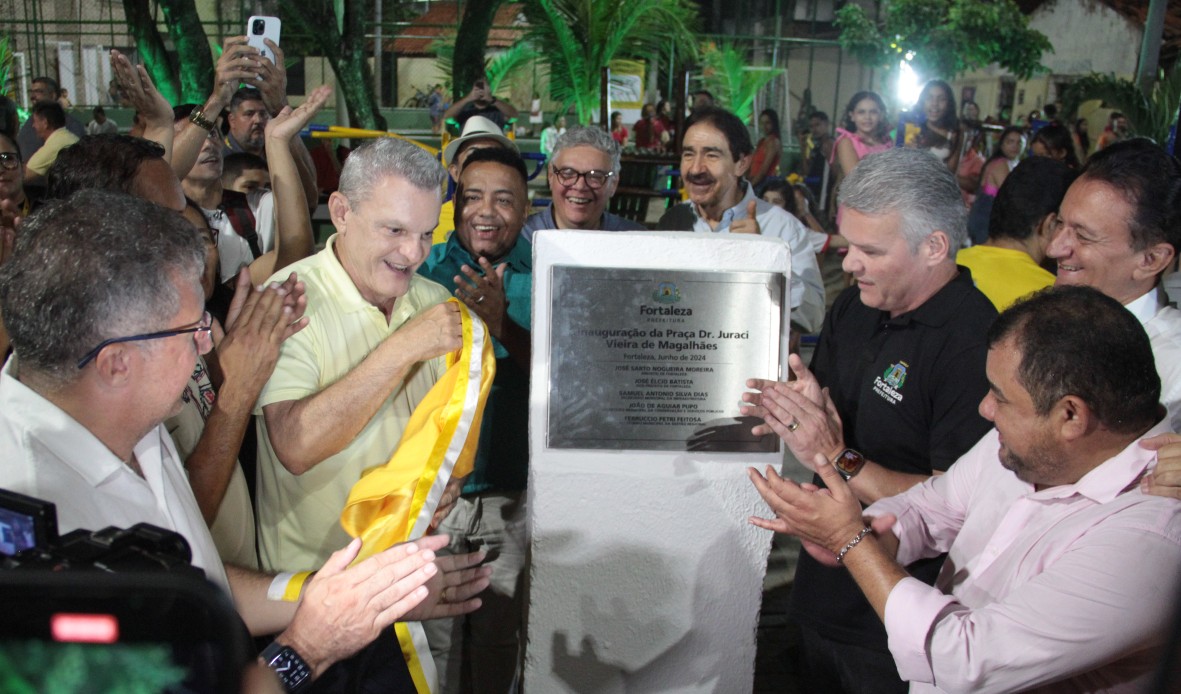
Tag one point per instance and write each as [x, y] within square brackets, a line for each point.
[395, 502]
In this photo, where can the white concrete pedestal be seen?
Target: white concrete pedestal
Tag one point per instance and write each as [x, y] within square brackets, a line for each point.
[646, 575]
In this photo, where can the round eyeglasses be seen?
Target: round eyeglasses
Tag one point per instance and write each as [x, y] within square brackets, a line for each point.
[594, 178]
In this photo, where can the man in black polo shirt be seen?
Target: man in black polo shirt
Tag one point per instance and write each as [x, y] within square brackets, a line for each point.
[902, 357]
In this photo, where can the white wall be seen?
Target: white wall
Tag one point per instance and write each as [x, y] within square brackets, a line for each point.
[1087, 37]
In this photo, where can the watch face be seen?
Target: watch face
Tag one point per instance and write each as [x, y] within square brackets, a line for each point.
[290, 668]
[849, 462]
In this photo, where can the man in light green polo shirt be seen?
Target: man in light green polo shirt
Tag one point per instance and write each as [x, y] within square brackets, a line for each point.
[49, 122]
[345, 387]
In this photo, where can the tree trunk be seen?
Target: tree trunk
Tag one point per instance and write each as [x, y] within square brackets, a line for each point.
[345, 52]
[142, 26]
[470, 40]
[353, 72]
[192, 48]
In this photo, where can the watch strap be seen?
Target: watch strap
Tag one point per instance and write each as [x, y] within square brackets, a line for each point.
[197, 118]
[293, 672]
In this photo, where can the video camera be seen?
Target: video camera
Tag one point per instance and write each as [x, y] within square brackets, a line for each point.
[117, 606]
[28, 534]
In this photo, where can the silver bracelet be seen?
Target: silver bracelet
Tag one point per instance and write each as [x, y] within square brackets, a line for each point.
[853, 543]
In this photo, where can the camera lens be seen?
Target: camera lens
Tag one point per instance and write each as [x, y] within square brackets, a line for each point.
[259, 26]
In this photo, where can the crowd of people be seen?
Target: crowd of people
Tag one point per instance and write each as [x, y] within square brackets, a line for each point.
[995, 501]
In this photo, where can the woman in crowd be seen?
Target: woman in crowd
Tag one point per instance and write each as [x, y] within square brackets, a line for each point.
[765, 162]
[618, 129]
[1004, 158]
[666, 126]
[13, 200]
[647, 134]
[1054, 141]
[940, 132]
[784, 194]
[864, 130]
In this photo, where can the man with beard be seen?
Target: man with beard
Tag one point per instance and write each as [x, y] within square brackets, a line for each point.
[488, 265]
[715, 155]
[1060, 569]
[583, 175]
[247, 123]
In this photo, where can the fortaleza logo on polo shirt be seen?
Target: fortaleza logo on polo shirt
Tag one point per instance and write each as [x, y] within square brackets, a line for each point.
[889, 384]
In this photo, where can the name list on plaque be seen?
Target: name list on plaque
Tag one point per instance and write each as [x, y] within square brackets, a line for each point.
[658, 359]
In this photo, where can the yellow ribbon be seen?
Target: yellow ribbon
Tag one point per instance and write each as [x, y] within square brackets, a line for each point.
[394, 502]
[386, 505]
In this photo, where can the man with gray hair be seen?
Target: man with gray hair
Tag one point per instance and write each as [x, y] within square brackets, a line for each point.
[902, 358]
[104, 304]
[344, 388]
[583, 175]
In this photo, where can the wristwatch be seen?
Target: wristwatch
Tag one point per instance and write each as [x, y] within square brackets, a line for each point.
[293, 672]
[849, 463]
[197, 118]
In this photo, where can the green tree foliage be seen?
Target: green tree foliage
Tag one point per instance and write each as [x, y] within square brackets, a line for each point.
[729, 76]
[1150, 110]
[337, 31]
[506, 65]
[141, 24]
[194, 62]
[946, 37]
[470, 41]
[582, 37]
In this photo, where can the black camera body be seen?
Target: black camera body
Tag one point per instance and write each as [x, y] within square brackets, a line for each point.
[142, 547]
[124, 606]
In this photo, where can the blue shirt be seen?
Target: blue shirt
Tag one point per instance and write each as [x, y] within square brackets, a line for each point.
[502, 455]
[544, 219]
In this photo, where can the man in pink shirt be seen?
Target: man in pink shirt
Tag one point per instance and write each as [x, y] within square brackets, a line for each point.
[1061, 572]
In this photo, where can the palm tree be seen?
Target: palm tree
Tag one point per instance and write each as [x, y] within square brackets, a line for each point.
[1151, 110]
[730, 77]
[582, 37]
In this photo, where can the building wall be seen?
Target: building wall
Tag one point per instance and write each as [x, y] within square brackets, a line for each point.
[1087, 37]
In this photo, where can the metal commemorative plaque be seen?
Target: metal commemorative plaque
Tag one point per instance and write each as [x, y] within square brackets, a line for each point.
[658, 359]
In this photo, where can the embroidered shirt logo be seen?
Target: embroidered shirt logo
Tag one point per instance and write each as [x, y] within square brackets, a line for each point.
[889, 384]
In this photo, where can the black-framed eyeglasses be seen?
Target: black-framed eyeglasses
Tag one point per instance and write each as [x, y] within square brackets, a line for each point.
[595, 179]
[9, 160]
[205, 326]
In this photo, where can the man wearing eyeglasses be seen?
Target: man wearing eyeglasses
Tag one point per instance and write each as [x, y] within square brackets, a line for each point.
[583, 175]
[106, 332]
[715, 155]
[488, 265]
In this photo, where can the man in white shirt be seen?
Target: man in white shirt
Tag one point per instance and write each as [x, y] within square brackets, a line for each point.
[1118, 230]
[715, 155]
[103, 302]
